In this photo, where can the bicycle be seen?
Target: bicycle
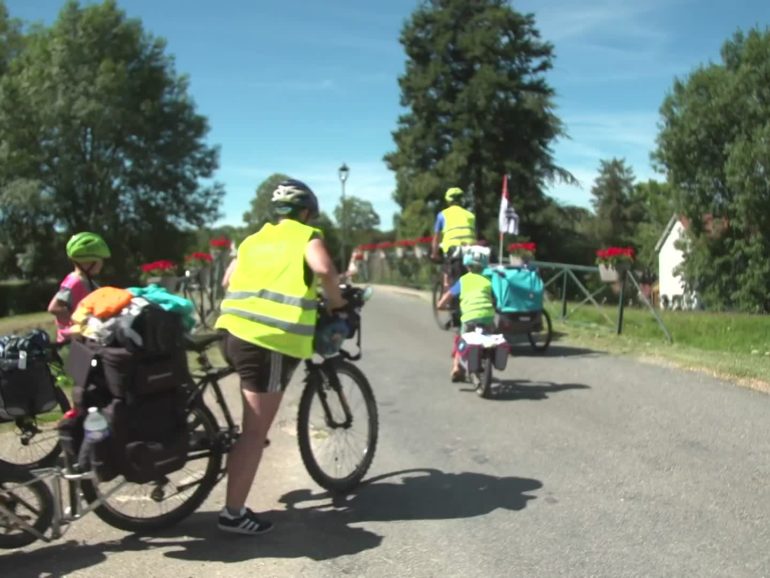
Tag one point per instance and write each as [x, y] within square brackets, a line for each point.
[481, 353]
[32, 441]
[28, 509]
[448, 318]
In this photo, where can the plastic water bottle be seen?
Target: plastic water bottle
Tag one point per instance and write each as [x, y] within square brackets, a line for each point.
[95, 426]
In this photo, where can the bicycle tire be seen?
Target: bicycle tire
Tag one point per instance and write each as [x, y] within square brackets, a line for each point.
[484, 388]
[328, 481]
[443, 317]
[110, 513]
[42, 449]
[536, 344]
[14, 482]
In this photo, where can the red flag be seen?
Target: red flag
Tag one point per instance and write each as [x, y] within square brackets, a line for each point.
[508, 219]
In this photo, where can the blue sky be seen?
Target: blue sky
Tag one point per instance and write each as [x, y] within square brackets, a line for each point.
[300, 86]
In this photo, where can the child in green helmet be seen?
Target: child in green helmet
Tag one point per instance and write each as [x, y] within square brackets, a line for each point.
[87, 252]
[477, 304]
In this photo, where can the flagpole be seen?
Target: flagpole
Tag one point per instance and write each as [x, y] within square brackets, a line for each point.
[500, 253]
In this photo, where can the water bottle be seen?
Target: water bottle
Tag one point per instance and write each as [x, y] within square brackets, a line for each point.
[95, 429]
[95, 426]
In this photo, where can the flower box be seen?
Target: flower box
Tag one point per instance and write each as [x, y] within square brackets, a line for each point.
[613, 261]
[521, 253]
[609, 274]
[168, 282]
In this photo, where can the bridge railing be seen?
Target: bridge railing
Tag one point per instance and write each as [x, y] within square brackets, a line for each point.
[406, 263]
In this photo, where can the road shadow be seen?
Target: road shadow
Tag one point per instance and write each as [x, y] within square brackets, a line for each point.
[420, 494]
[520, 347]
[314, 525]
[524, 389]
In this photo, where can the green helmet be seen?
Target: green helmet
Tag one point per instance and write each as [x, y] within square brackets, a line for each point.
[452, 194]
[87, 247]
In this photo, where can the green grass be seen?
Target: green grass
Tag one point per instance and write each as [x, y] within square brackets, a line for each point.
[728, 345]
[27, 322]
[726, 332]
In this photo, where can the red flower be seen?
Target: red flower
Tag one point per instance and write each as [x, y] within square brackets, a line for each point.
[161, 267]
[221, 242]
[199, 257]
[612, 255]
[527, 247]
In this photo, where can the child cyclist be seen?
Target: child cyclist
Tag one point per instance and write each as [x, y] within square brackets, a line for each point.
[477, 307]
[87, 252]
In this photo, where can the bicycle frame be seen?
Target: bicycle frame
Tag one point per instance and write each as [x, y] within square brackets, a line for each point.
[315, 371]
[62, 517]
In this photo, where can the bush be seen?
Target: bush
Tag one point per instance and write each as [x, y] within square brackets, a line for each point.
[17, 297]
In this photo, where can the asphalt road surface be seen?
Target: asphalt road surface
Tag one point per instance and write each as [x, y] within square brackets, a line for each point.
[583, 465]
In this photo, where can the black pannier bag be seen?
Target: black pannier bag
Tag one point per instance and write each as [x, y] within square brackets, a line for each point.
[142, 398]
[149, 329]
[26, 383]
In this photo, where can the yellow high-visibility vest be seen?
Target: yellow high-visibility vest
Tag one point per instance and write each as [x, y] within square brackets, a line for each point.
[475, 298]
[267, 302]
[459, 227]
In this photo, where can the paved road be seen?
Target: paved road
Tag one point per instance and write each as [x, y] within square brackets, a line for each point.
[584, 465]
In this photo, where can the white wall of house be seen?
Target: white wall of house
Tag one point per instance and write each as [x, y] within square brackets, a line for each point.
[669, 258]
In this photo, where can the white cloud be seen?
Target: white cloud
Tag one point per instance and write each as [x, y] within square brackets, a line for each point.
[560, 21]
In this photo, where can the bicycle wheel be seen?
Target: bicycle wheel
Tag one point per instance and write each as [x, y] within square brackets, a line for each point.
[160, 504]
[29, 499]
[484, 386]
[444, 317]
[33, 441]
[540, 340]
[337, 451]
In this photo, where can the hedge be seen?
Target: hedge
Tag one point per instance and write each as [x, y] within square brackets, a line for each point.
[17, 297]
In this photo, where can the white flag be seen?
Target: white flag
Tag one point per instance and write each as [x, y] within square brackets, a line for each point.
[509, 220]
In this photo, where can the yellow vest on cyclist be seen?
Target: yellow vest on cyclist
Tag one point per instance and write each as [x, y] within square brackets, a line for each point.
[267, 302]
[459, 227]
[475, 298]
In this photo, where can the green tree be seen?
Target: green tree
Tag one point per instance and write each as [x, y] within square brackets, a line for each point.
[260, 212]
[478, 107]
[415, 220]
[713, 148]
[358, 220]
[656, 205]
[613, 193]
[11, 38]
[93, 112]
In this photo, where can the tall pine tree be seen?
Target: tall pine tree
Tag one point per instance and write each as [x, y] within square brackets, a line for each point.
[478, 106]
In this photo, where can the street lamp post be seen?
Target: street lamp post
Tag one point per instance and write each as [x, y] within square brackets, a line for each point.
[343, 173]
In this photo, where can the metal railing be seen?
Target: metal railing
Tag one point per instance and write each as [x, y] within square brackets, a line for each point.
[412, 268]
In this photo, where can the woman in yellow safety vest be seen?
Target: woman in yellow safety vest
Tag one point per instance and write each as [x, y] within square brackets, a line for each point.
[454, 227]
[269, 316]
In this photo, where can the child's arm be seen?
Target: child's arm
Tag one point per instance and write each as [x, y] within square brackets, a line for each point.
[59, 309]
[453, 291]
[445, 299]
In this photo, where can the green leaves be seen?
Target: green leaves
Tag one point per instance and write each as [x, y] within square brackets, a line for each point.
[478, 107]
[713, 144]
[93, 110]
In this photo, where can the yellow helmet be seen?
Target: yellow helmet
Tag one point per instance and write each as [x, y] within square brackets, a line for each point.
[452, 194]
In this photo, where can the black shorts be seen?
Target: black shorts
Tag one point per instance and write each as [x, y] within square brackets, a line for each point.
[261, 370]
